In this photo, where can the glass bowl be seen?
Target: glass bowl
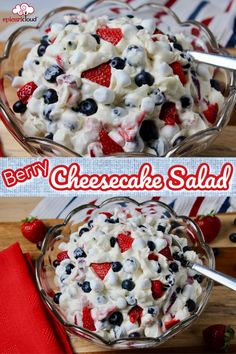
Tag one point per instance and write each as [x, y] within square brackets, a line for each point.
[45, 271]
[24, 38]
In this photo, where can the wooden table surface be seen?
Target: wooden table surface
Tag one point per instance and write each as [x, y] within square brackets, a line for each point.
[220, 309]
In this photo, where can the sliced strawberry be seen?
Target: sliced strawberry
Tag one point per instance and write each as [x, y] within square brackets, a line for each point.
[153, 257]
[124, 241]
[109, 146]
[101, 269]
[211, 112]
[171, 323]
[59, 61]
[87, 320]
[62, 255]
[108, 215]
[135, 314]
[157, 31]
[101, 74]
[169, 113]
[170, 121]
[157, 289]
[112, 35]
[26, 91]
[167, 253]
[178, 70]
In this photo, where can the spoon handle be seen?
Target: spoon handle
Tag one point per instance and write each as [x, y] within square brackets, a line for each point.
[222, 61]
[219, 277]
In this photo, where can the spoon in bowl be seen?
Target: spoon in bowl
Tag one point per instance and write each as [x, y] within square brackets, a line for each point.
[219, 277]
[219, 60]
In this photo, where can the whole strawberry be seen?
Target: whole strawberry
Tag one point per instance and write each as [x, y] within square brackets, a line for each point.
[210, 226]
[33, 229]
[218, 337]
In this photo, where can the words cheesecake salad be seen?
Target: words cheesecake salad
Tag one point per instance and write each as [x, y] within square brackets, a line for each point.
[121, 275]
[108, 86]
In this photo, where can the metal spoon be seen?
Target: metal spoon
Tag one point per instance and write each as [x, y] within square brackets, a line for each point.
[219, 277]
[219, 60]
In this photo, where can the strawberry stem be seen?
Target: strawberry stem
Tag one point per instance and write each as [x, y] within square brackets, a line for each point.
[229, 335]
[29, 219]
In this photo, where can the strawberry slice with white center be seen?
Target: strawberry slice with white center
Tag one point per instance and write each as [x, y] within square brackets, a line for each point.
[178, 70]
[62, 255]
[26, 91]
[124, 241]
[112, 35]
[109, 146]
[135, 314]
[101, 269]
[211, 112]
[101, 74]
[167, 253]
[87, 320]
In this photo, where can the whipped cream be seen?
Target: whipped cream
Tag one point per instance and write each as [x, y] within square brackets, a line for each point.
[120, 76]
[121, 275]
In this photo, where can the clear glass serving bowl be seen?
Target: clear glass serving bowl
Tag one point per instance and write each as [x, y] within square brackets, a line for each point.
[45, 271]
[24, 38]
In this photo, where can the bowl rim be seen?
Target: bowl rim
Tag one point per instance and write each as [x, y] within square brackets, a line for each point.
[173, 330]
[32, 143]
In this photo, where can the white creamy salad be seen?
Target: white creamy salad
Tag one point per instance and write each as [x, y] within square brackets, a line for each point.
[120, 275]
[107, 86]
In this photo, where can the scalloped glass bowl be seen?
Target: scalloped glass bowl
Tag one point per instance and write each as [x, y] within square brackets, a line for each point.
[24, 38]
[45, 271]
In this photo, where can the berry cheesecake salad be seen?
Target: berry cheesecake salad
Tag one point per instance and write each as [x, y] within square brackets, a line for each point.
[108, 86]
[121, 275]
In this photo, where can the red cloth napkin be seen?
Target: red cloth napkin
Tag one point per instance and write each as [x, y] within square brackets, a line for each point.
[26, 325]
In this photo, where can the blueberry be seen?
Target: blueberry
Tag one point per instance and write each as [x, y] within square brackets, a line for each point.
[20, 72]
[174, 267]
[179, 140]
[148, 130]
[90, 224]
[47, 113]
[158, 97]
[83, 230]
[19, 107]
[187, 248]
[142, 227]
[131, 300]
[152, 310]
[44, 40]
[86, 287]
[186, 101]
[158, 267]
[49, 136]
[186, 66]
[55, 263]
[79, 253]
[118, 63]
[215, 84]
[36, 62]
[112, 221]
[176, 256]
[134, 335]
[52, 72]
[130, 16]
[116, 318]
[50, 96]
[97, 38]
[56, 298]
[170, 279]
[191, 305]
[88, 107]
[41, 49]
[232, 237]
[151, 245]
[69, 268]
[73, 23]
[178, 290]
[178, 46]
[128, 284]
[198, 278]
[161, 228]
[118, 112]
[139, 27]
[144, 78]
[113, 241]
[116, 266]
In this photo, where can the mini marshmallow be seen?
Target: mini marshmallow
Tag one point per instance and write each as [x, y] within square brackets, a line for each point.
[18, 81]
[104, 95]
[147, 105]
[130, 265]
[122, 78]
[96, 285]
[149, 25]
[121, 303]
